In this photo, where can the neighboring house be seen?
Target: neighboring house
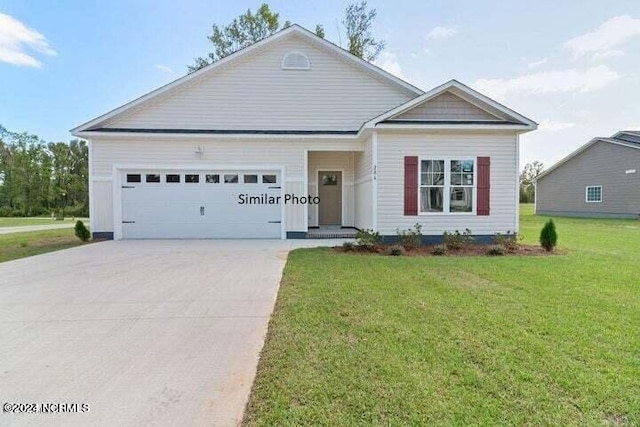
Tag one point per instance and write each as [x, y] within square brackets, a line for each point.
[600, 179]
[294, 116]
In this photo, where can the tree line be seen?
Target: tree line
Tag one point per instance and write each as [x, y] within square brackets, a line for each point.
[43, 178]
[249, 28]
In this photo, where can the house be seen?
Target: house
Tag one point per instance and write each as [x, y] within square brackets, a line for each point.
[294, 133]
[600, 179]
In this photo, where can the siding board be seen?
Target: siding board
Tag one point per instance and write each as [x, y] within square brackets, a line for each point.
[562, 191]
[501, 147]
[255, 93]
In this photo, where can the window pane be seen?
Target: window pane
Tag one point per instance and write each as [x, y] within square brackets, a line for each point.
[456, 166]
[231, 179]
[269, 179]
[461, 199]
[467, 179]
[330, 179]
[431, 199]
[173, 178]
[153, 177]
[467, 166]
[133, 178]
[192, 178]
[456, 179]
[212, 179]
[251, 179]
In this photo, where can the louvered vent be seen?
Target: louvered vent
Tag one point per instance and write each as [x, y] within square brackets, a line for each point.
[295, 61]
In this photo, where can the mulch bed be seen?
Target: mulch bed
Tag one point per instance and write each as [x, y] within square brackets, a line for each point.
[468, 250]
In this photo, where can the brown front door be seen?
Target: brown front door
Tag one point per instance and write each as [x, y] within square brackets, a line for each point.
[330, 193]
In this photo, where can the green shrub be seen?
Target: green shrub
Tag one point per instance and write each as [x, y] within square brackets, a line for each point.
[347, 246]
[439, 250]
[456, 240]
[510, 241]
[496, 250]
[411, 238]
[549, 236]
[82, 232]
[368, 238]
[395, 250]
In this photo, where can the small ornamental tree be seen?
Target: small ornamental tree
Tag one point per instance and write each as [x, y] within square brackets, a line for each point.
[82, 232]
[549, 236]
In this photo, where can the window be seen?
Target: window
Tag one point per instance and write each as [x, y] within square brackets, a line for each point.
[231, 179]
[192, 178]
[134, 178]
[329, 179]
[295, 61]
[251, 179]
[269, 179]
[593, 193]
[172, 178]
[212, 179]
[447, 186]
[153, 177]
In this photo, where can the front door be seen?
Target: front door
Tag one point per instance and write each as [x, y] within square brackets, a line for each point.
[330, 193]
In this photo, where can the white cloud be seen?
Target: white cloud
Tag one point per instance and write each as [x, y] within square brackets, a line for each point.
[442, 32]
[537, 63]
[164, 68]
[551, 126]
[16, 39]
[601, 56]
[388, 61]
[572, 80]
[610, 34]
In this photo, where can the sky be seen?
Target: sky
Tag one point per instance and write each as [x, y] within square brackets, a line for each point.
[572, 66]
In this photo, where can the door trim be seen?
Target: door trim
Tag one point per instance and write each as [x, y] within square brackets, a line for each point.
[118, 169]
[342, 192]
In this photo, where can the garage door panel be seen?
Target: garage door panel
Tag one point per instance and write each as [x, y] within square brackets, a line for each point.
[200, 210]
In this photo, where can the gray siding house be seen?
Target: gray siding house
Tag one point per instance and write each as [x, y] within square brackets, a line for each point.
[600, 179]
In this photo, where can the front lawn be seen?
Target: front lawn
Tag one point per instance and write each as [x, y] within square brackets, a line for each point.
[23, 221]
[21, 245]
[362, 340]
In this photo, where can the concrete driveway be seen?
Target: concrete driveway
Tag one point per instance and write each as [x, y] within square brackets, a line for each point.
[143, 332]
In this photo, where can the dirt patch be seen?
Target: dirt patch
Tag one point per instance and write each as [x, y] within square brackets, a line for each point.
[468, 250]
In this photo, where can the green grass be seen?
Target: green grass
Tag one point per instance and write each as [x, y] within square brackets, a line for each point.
[21, 245]
[20, 221]
[371, 340]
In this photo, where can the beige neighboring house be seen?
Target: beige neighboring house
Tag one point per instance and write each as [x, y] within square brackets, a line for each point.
[600, 179]
[293, 135]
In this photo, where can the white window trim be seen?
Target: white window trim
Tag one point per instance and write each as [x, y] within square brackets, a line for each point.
[586, 194]
[447, 185]
[295, 52]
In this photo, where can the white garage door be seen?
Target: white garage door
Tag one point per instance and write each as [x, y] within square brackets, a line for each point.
[200, 204]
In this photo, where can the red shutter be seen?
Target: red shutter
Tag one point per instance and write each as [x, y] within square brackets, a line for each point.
[484, 185]
[411, 185]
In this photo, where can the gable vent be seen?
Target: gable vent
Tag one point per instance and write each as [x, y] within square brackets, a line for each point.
[295, 61]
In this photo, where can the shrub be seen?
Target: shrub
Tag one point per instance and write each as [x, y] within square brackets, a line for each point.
[368, 238]
[439, 250]
[411, 238]
[347, 246]
[456, 240]
[496, 250]
[82, 232]
[549, 236]
[395, 250]
[510, 241]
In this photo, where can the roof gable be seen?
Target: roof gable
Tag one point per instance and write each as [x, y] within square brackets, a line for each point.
[614, 140]
[454, 104]
[250, 89]
[446, 106]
